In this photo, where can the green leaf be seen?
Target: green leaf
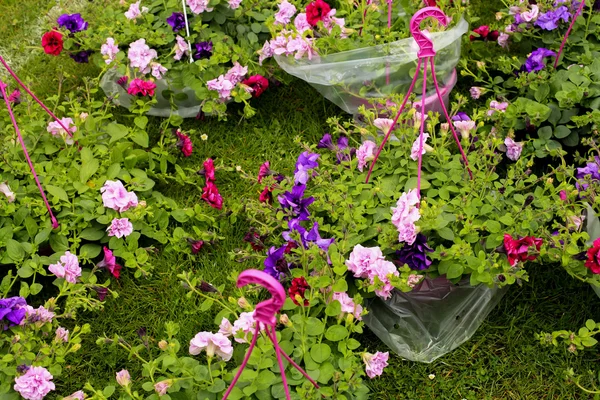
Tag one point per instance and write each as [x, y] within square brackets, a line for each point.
[493, 226]
[340, 285]
[588, 341]
[35, 288]
[140, 138]
[561, 131]
[113, 171]
[545, 132]
[542, 92]
[14, 250]
[590, 324]
[57, 192]
[336, 333]
[108, 391]
[320, 352]
[59, 243]
[88, 169]
[141, 122]
[92, 234]
[25, 271]
[116, 131]
[446, 233]
[454, 271]
[90, 250]
[334, 309]
[256, 28]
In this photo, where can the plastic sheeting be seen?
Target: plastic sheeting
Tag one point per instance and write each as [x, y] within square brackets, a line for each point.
[433, 319]
[352, 78]
[593, 229]
[186, 105]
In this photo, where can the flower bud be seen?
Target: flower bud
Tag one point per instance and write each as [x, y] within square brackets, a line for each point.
[123, 378]
[285, 320]
[243, 303]
[142, 204]
[75, 347]
[163, 345]
[444, 128]
[349, 318]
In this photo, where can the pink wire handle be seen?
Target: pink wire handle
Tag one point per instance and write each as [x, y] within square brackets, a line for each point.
[16, 78]
[265, 313]
[37, 181]
[564, 41]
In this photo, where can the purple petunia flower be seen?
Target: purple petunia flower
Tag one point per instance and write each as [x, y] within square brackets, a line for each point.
[73, 22]
[461, 116]
[415, 255]
[341, 150]
[203, 50]
[12, 311]
[326, 142]
[535, 61]
[550, 19]
[176, 21]
[294, 202]
[592, 169]
[307, 236]
[306, 162]
[275, 264]
[81, 57]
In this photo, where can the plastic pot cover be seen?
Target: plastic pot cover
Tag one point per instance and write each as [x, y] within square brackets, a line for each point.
[593, 229]
[433, 319]
[185, 103]
[352, 78]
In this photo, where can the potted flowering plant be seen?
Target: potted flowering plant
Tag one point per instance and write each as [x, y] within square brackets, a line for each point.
[551, 98]
[358, 51]
[455, 245]
[192, 57]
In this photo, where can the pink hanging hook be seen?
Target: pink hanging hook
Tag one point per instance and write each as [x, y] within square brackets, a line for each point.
[265, 313]
[564, 41]
[425, 54]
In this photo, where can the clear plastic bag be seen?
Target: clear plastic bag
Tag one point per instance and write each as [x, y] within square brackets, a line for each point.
[352, 78]
[433, 319]
[185, 100]
[593, 229]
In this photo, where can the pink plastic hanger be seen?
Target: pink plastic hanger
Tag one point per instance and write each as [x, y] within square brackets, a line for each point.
[425, 55]
[564, 41]
[264, 314]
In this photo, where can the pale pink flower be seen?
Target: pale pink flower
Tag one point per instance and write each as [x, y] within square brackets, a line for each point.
[62, 334]
[56, 130]
[301, 23]
[212, 343]
[532, 15]
[115, 196]
[348, 305]
[123, 378]
[407, 232]
[383, 124]
[225, 328]
[329, 21]
[301, 46]
[265, 52]
[278, 45]
[503, 39]
[464, 127]
[406, 211]
[198, 6]
[5, 190]
[67, 268]
[246, 324]
[162, 387]
[285, 13]
[414, 152]
[575, 221]
[361, 259]
[497, 106]
[383, 269]
[233, 4]
[417, 117]
[120, 227]
[158, 71]
[475, 92]
[141, 55]
[375, 363]
[181, 48]
[78, 395]
[83, 116]
[365, 153]
[221, 85]
[412, 280]
[236, 73]
[134, 11]
[35, 384]
[34, 315]
[109, 50]
[513, 149]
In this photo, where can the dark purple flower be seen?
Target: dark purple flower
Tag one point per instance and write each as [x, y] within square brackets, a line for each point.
[203, 50]
[22, 368]
[415, 255]
[535, 61]
[461, 116]
[294, 202]
[176, 21]
[122, 81]
[306, 161]
[12, 311]
[326, 142]
[101, 291]
[341, 150]
[313, 236]
[73, 22]
[82, 57]
[549, 20]
[590, 172]
[275, 264]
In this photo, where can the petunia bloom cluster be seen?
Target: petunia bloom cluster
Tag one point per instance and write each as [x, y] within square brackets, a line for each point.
[369, 263]
[67, 268]
[404, 216]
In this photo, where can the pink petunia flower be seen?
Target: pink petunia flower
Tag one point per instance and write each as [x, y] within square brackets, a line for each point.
[212, 343]
[513, 149]
[375, 363]
[361, 259]
[134, 11]
[67, 268]
[56, 130]
[120, 227]
[181, 48]
[365, 153]
[348, 305]
[109, 50]
[199, 6]
[62, 335]
[35, 384]
[115, 196]
[285, 13]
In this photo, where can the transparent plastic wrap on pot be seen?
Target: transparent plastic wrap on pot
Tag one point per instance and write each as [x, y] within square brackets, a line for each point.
[186, 105]
[433, 319]
[352, 78]
[593, 229]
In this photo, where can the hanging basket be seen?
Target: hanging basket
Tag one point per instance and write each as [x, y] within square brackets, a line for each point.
[433, 319]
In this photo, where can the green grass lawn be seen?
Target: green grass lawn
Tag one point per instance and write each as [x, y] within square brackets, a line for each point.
[502, 361]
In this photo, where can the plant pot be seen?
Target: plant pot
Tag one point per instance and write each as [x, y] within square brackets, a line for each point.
[352, 78]
[185, 103]
[433, 319]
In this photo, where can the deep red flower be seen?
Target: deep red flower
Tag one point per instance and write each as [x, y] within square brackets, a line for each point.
[196, 245]
[263, 171]
[493, 36]
[290, 246]
[110, 262]
[52, 42]
[184, 143]
[122, 81]
[316, 11]
[209, 170]
[519, 249]
[15, 97]
[593, 257]
[430, 3]
[138, 87]
[298, 288]
[210, 193]
[266, 196]
[484, 34]
[255, 240]
[257, 83]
